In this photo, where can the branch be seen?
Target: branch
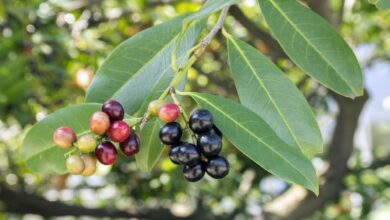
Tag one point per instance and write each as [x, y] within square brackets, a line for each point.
[206, 41]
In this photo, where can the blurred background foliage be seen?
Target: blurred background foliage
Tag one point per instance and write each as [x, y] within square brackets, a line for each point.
[49, 51]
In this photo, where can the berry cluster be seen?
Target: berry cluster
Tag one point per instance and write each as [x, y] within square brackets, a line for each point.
[200, 158]
[107, 127]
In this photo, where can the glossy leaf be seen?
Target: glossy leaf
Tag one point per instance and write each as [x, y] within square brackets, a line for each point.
[40, 152]
[383, 4]
[151, 147]
[265, 90]
[141, 65]
[253, 137]
[209, 8]
[314, 45]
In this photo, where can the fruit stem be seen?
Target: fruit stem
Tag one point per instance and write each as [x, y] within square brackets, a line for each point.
[182, 111]
[69, 153]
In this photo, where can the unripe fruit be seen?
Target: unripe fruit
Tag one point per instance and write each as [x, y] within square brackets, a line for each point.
[131, 145]
[169, 112]
[106, 153]
[194, 172]
[217, 167]
[113, 109]
[171, 133]
[210, 144]
[90, 164]
[99, 123]
[75, 164]
[188, 154]
[86, 143]
[200, 121]
[64, 137]
[155, 106]
[119, 131]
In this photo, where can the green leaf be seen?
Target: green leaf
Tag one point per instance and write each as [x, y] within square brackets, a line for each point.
[253, 137]
[209, 8]
[314, 46]
[40, 152]
[141, 65]
[151, 147]
[264, 89]
[383, 4]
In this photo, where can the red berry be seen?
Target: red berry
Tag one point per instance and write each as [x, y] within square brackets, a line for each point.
[131, 145]
[113, 109]
[106, 153]
[64, 137]
[99, 123]
[169, 112]
[118, 131]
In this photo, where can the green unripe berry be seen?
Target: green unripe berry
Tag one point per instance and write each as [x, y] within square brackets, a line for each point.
[154, 107]
[90, 164]
[75, 164]
[86, 143]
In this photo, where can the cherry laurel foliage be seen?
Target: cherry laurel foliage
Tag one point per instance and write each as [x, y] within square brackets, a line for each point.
[274, 125]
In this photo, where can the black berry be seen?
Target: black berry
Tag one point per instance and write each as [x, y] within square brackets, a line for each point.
[113, 109]
[188, 154]
[216, 131]
[200, 121]
[174, 154]
[210, 144]
[194, 172]
[171, 133]
[217, 167]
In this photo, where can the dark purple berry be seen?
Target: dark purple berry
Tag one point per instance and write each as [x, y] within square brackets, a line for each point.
[217, 167]
[106, 153]
[113, 109]
[200, 121]
[210, 144]
[174, 154]
[194, 172]
[131, 145]
[171, 133]
[188, 154]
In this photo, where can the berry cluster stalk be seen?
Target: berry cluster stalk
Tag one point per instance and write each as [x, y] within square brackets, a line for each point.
[196, 51]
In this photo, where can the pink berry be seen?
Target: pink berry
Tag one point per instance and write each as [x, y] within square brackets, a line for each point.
[118, 131]
[106, 153]
[169, 112]
[64, 137]
[99, 123]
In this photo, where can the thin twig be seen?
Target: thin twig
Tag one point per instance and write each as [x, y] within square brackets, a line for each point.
[218, 26]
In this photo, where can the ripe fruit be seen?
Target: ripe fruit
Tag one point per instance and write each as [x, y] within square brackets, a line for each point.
[194, 172]
[90, 164]
[86, 143]
[200, 121]
[169, 112]
[113, 109]
[174, 153]
[188, 154]
[210, 144]
[99, 123]
[118, 131]
[217, 167]
[74, 164]
[131, 145]
[155, 106]
[171, 133]
[106, 153]
[64, 137]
